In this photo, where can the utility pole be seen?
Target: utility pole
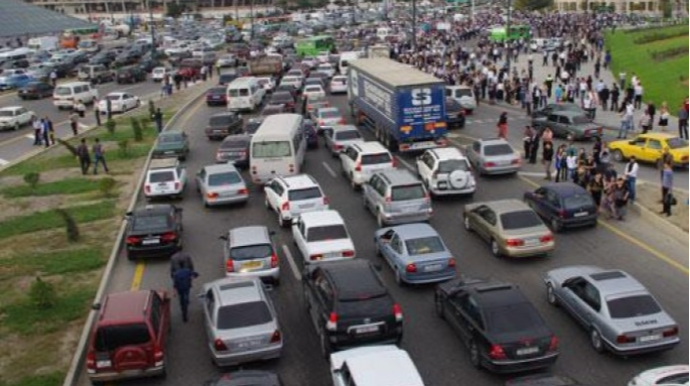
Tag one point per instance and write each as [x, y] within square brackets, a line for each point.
[153, 34]
[251, 19]
[414, 25]
[510, 13]
[472, 12]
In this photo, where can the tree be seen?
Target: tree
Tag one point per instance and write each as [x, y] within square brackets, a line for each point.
[106, 186]
[70, 225]
[32, 179]
[42, 294]
[533, 5]
[174, 10]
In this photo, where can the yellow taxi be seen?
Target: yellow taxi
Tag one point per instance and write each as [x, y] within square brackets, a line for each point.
[649, 148]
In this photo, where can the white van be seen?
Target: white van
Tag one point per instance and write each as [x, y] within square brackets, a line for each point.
[345, 58]
[277, 148]
[245, 93]
[66, 94]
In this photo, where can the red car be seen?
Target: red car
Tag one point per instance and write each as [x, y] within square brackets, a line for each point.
[190, 68]
[129, 338]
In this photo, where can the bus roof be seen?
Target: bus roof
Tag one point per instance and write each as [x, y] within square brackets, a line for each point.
[277, 126]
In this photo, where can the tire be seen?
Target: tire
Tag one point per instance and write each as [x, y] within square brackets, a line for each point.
[618, 156]
[379, 219]
[439, 307]
[468, 225]
[495, 250]
[556, 226]
[398, 278]
[475, 356]
[596, 341]
[551, 295]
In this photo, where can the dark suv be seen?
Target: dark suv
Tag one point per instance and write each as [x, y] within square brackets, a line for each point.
[455, 114]
[223, 124]
[500, 327]
[349, 305]
[129, 337]
[154, 231]
[130, 75]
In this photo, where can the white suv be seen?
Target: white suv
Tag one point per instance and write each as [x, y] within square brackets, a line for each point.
[446, 171]
[322, 236]
[360, 161]
[379, 365]
[291, 196]
[14, 117]
[165, 178]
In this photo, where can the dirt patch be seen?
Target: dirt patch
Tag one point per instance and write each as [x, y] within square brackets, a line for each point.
[649, 196]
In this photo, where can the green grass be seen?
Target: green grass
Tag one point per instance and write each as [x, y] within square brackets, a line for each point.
[53, 379]
[51, 219]
[53, 263]
[67, 186]
[661, 79]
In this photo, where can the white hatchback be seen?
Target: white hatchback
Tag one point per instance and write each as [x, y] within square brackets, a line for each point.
[322, 236]
[313, 91]
[359, 161]
[165, 178]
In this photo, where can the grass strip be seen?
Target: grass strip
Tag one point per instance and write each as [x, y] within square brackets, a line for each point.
[23, 317]
[52, 379]
[52, 263]
[67, 186]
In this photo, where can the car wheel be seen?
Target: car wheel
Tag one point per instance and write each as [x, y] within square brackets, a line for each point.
[596, 341]
[398, 278]
[325, 344]
[475, 358]
[556, 225]
[468, 225]
[551, 295]
[495, 250]
[618, 156]
[439, 307]
[379, 219]
[16, 126]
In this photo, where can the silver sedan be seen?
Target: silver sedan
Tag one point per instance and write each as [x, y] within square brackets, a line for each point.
[338, 137]
[221, 184]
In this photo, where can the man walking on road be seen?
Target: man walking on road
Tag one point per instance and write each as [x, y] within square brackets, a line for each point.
[98, 157]
[182, 281]
[158, 119]
[180, 260]
[84, 157]
[74, 122]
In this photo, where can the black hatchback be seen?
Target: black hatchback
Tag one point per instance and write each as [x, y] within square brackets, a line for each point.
[36, 90]
[563, 205]
[501, 329]
[154, 231]
[130, 75]
[349, 305]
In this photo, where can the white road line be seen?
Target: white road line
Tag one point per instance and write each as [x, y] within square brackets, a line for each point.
[329, 169]
[291, 261]
[3, 162]
[532, 174]
[406, 164]
[30, 136]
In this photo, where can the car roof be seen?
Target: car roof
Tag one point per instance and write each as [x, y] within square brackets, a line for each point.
[416, 230]
[383, 367]
[370, 147]
[10, 108]
[399, 177]
[344, 128]
[232, 290]
[612, 282]
[220, 168]
[492, 293]
[125, 306]
[658, 135]
[445, 153]
[329, 108]
[348, 274]
[298, 181]
[565, 189]
[322, 217]
[249, 235]
[504, 206]
[116, 93]
[153, 209]
[492, 141]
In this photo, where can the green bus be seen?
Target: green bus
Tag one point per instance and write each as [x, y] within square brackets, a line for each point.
[500, 34]
[315, 45]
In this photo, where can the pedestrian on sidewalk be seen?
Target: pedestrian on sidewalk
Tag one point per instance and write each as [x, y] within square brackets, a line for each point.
[638, 92]
[182, 281]
[84, 157]
[98, 156]
[596, 188]
[560, 164]
[651, 110]
[621, 79]
[547, 159]
[571, 164]
[626, 121]
[615, 96]
[51, 131]
[534, 147]
[37, 126]
[547, 135]
[667, 188]
[631, 170]
[682, 121]
[645, 122]
[503, 126]
[45, 131]
[97, 113]
[663, 116]
[74, 122]
[527, 140]
[604, 97]
[158, 119]
[621, 195]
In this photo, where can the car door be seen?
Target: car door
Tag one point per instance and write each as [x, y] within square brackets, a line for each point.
[653, 151]
[322, 304]
[473, 154]
[536, 200]
[158, 321]
[393, 251]
[636, 148]
[328, 138]
[485, 219]
[200, 182]
[209, 315]
[581, 299]
[467, 317]
[551, 205]
[369, 192]
[128, 101]
[425, 165]
[299, 234]
[273, 191]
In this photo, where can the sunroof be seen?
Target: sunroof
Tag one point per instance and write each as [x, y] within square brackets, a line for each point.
[608, 275]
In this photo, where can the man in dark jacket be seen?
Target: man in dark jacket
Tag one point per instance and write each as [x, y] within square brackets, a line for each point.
[182, 281]
[84, 157]
[180, 260]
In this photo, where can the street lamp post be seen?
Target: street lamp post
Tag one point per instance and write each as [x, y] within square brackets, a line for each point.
[251, 19]
[510, 12]
[153, 35]
[414, 25]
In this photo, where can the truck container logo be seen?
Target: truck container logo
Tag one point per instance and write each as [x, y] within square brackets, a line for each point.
[354, 82]
[421, 97]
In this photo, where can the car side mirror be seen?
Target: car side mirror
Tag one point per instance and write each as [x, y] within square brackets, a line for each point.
[223, 237]
[96, 306]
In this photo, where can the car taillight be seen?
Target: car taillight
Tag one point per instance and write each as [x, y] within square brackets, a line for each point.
[212, 195]
[412, 267]
[515, 161]
[489, 164]
[169, 236]
[219, 345]
[133, 240]
[285, 206]
[625, 339]
[451, 262]
[561, 213]
[332, 323]
[91, 360]
[348, 253]
[147, 188]
[274, 260]
[496, 352]
[358, 167]
[229, 266]
[276, 337]
[397, 312]
[338, 147]
[673, 331]
[553, 343]
[341, 121]
[243, 191]
[322, 123]
[315, 257]
[546, 239]
[177, 185]
[515, 242]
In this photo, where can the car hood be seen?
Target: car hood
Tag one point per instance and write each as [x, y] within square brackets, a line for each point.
[6, 119]
[559, 275]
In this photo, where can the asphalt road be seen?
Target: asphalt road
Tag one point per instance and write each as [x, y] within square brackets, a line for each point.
[14, 144]
[436, 350]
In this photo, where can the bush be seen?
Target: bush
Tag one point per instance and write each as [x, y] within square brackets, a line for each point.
[123, 146]
[42, 294]
[69, 146]
[70, 225]
[32, 179]
[136, 127]
[110, 125]
[106, 186]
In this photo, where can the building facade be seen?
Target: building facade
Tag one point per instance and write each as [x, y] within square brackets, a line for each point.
[679, 7]
[86, 7]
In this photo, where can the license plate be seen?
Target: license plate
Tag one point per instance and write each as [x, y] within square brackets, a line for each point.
[102, 364]
[217, 131]
[252, 265]
[531, 242]
[306, 206]
[408, 209]
[249, 344]
[332, 255]
[150, 241]
[366, 329]
[527, 350]
[169, 152]
[581, 214]
[649, 338]
[433, 267]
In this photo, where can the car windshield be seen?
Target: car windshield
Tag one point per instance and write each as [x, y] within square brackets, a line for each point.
[409, 192]
[227, 178]
[146, 223]
[112, 337]
[452, 165]
[676, 143]
[347, 135]
[251, 252]
[328, 232]
[216, 90]
[313, 89]
[581, 120]
[280, 98]
[304, 194]
[519, 220]
[243, 315]
[63, 91]
[271, 149]
[578, 201]
[633, 306]
[160, 177]
[170, 138]
[424, 245]
[221, 120]
[6, 113]
[512, 319]
[501, 149]
[329, 114]
[463, 92]
[374, 159]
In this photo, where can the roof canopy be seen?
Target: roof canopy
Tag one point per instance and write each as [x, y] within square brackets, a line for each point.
[18, 18]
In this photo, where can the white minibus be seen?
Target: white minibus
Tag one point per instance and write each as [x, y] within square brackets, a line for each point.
[277, 148]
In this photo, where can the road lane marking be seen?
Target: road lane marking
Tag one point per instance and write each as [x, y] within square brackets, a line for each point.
[406, 164]
[532, 174]
[329, 169]
[654, 252]
[30, 136]
[291, 261]
[138, 276]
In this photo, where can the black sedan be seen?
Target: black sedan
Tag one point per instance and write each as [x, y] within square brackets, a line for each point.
[234, 149]
[223, 124]
[283, 98]
[569, 124]
[131, 74]
[558, 107]
[500, 327]
[563, 205]
[36, 90]
[154, 231]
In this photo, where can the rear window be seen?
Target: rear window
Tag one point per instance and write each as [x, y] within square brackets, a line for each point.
[251, 252]
[145, 223]
[581, 120]
[409, 192]
[347, 135]
[633, 306]
[463, 92]
[272, 149]
[281, 98]
[304, 194]
[170, 138]
[329, 114]
[676, 143]
[578, 201]
[424, 245]
[512, 319]
[520, 220]
[234, 144]
[110, 338]
[221, 120]
[243, 315]
[502, 149]
[164, 176]
[63, 91]
[374, 159]
[325, 233]
[242, 92]
[453, 165]
[220, 179]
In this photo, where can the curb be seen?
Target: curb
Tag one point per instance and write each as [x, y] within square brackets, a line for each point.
[72, 375]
